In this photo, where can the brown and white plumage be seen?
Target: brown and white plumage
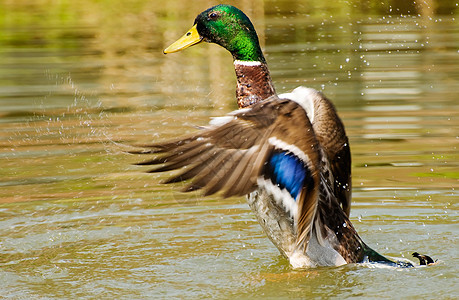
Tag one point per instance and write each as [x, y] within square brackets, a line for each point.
[271, 152]
[289, 154]
[231, 157]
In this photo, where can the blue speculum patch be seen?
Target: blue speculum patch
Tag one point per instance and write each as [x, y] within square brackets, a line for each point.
[287, 171]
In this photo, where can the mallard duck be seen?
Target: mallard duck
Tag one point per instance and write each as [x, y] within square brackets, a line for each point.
[288, 153]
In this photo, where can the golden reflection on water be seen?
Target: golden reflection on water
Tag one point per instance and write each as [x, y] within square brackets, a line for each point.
[80, 82]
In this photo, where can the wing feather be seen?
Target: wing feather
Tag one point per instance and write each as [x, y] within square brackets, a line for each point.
[293, 133]
[208, 172]
[220, 179]
[231, 156]
[235, 182]
[330, 132]
[196, 169]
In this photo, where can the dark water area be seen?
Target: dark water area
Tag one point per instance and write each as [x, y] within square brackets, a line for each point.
[81, 82]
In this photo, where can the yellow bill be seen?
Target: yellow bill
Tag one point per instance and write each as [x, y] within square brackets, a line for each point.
[190, 38]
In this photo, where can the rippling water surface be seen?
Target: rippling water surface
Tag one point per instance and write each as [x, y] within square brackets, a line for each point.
[82, 82]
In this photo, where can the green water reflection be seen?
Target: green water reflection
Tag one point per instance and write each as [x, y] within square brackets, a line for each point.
[80, 81]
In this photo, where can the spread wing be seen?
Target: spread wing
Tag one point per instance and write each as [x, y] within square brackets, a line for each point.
[270, 145]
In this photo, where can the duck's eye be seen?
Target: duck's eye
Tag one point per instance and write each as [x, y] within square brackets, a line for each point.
[213, 15]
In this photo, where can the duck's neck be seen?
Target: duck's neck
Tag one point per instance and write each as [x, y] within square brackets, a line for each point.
[253, 82]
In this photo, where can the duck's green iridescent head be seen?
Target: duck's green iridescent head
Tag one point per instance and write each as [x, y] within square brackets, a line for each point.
[226, 26]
